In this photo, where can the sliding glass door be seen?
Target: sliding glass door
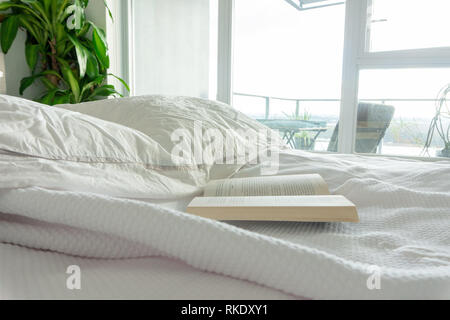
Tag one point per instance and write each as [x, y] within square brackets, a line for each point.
[287, 66]
[364, 76]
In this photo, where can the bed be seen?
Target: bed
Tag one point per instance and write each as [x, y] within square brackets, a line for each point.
[96, 186]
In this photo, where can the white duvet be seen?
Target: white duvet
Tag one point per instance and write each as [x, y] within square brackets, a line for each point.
[403, 236]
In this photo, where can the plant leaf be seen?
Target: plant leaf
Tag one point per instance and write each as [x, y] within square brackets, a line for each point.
[37, 5]
[9, 29]
[100, 46]
[20, 5]
[92, 70]
[88, 86]
[104, 91]
[84, 30]
[70, 79]
[31, 55]
[60, 32]
[6, 5]
[47, 5]
[62, 99]
[48, 84]
[26, 82]
[28, 23]
[121, 80]
[59, 10]
[48, 98]
[82, 54]
[37, 10]
[109, 11]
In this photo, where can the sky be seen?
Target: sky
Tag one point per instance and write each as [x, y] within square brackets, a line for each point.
[282, 52]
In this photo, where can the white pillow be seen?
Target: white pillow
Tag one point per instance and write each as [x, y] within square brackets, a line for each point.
[164, 117]
[55, 147]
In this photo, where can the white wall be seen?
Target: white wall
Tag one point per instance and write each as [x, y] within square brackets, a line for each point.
[171, 47]
[15, 65]
[2, 74]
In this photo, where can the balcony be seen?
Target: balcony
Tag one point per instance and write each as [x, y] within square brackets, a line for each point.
[404, 136]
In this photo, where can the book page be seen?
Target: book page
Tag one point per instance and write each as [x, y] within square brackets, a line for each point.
[288, 185]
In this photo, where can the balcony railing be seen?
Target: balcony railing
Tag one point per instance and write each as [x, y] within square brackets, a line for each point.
[406, 148]
[268, 100]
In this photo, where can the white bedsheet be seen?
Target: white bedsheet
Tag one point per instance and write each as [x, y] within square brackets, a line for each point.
[33, 274]
[404, 231]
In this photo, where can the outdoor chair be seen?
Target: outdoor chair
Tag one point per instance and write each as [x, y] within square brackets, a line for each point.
[372, 123]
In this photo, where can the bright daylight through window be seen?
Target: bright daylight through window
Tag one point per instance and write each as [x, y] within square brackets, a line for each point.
[287, 65]
[287, 72]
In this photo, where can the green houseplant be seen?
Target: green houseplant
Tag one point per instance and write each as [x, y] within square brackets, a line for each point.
[63, 50]
[440, 124]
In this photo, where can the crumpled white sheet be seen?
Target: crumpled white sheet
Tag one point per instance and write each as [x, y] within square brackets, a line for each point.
[404, 231]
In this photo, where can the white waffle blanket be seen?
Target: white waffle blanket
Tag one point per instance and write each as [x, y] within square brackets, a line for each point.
[403, 237]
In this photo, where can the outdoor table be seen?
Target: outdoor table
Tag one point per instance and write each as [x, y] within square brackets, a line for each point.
[288, 128]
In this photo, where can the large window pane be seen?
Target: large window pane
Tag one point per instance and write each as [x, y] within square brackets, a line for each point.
[408, 24]
[411, 94]
[287, 65]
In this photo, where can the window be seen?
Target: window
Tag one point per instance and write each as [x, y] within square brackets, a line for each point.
[414, 104]
[408, 24]
[349, 75]
[288, 64]
[400, 64]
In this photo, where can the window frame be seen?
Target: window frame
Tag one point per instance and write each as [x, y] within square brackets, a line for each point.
[225, 51]
[356, 57]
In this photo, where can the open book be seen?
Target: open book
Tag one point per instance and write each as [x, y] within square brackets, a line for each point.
[273, 198]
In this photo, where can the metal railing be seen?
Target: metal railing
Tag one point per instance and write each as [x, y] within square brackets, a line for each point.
[297, 101]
